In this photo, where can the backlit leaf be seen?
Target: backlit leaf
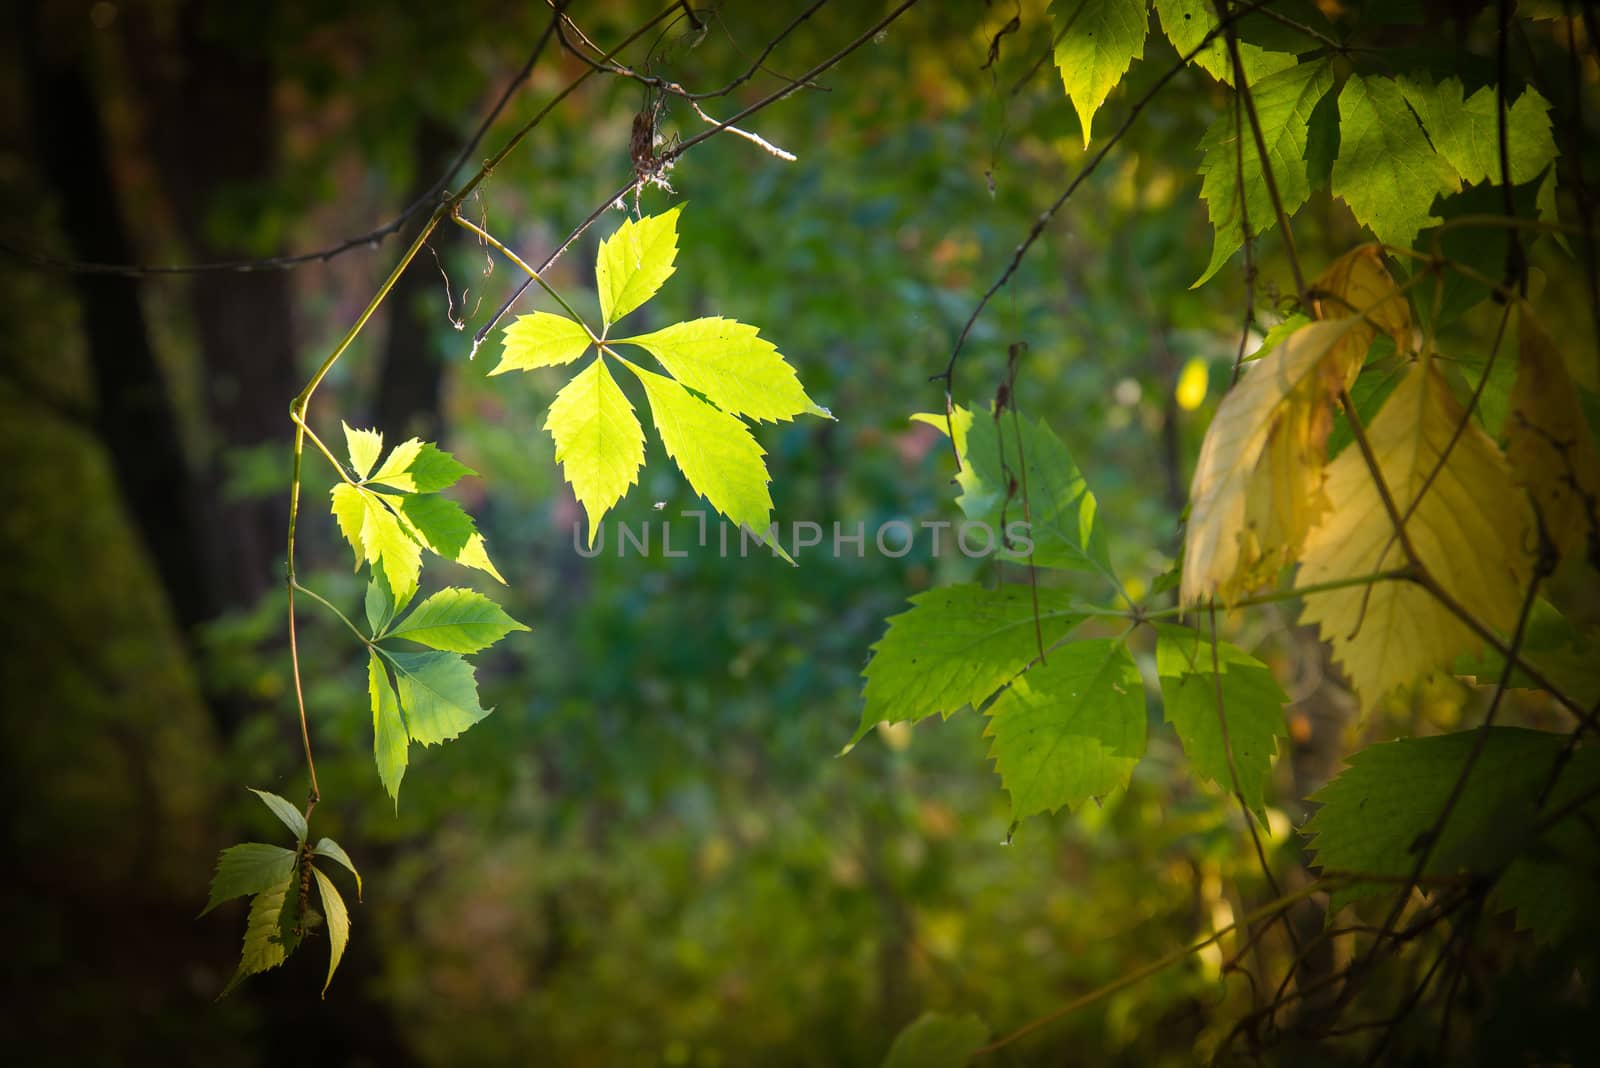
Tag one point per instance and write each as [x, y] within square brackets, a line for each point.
[433, 469]
[1466, 131]
[456, 621]
[476, 555]
[438, 693]
[390, 741]
[246, 869]
[956, 646]
[327, 847]
[715, 451]
[731, 365]
[1186, 23]
[263, 944]
[395, 470]
[599, 442]
[1284, 103]
[634, 261]
[364, 447]
[1470, 531]
[1070, 729]
[1386, 170]
[541, 340]
[1098, 40]
[438, 522]
[338, 919]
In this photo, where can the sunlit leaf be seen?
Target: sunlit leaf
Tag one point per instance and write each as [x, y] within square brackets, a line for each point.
[286, 812]
[1466, 131]
[476, 555]
[1070, 729]
[956, 646]
[433, 469]
[456, 621]
[634, 261]
[364, 446]
[390, 740]
[599, 442]
[731, 365]
[1284, 102]
[246, 869]
[1470, 531]
[338, 920]
[1186, 23]
[263, 944]
[1386, 170]
[541, 340]
[1097, 41]
[327, 847]
[438, 693]
[395, 470]
[438, 522]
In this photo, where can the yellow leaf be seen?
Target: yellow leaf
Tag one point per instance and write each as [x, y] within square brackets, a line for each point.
[1257, 486]
[1357, 283]
[1469, 529]
[1549, 446]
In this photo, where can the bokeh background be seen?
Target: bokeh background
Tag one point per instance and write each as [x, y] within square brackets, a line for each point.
[651, 852]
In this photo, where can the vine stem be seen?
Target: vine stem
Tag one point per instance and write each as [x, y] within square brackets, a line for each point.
[493, 242]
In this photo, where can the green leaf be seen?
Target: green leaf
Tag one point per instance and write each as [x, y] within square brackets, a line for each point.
[380, 604]
[434, 469]
[250, 868]
[1322, 140]
[1070, 729]
[396, 467]
[456, 621]
[263, 941]
[1284, 105]
[715, 451]
[439, 694]
[934, 1040]
[955, 647]
[440, 523]
[350, 511]
[1060, 509]
[634, 262]
[364, 447]
[599, 442]
[1386, 170]
[385, 541]
[327, 847]
[1392, 792]
[1466, 131]
[541, 340]
[731, 365]
[1252, 703]
[338, 917]
[390, 740]
[1186, 23]
[285, 811]
[1098, 42]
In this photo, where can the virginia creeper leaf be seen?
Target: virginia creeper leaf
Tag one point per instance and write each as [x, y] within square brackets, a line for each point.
[438, 522]
[439, 694]
[634, 261]
[250, 868]
[1386, 170]
[390, 740]
[731, 365]
[715, 451]
[1284, 103]
[433, 469]
[350, 512]
[1098, 40]
[934, 1040]
[338, 918]
[327, 847]
[385, 541]
[541, 340]
[1551, 451]
[395, 470]
[1252, 704]
[1070, 729]
[285, 811]
[1470, 531]
[263, 942]
[476, 555]
[365, 446]
[599, 442]
[379, 603]
[956, 646]
[456, 621]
